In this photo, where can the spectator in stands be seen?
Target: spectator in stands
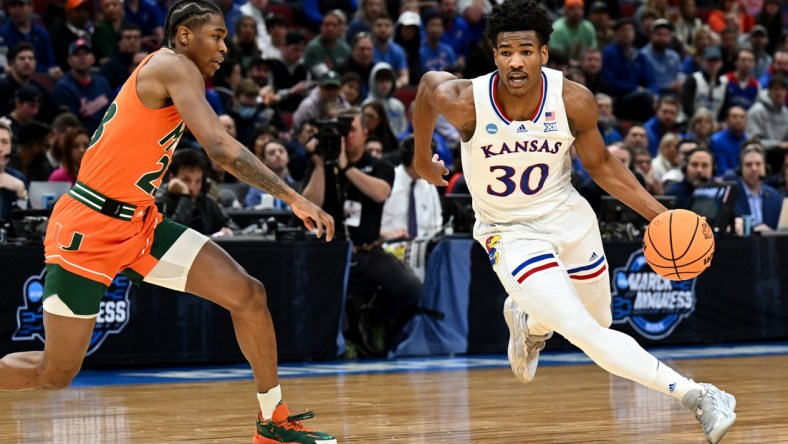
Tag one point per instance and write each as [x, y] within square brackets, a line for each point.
[244, 44]
[388, 51]
[350, 90]
[572, 33]
[382, 89]
[665, 62]
[705, 88]
[591, 65]
[184, 198]
[643, 28]
[365, 183]
[756, 198]
[419, 216]
[676, 174]
[374, 146]
[60, 126]
[780, 65]
[119, 66]
[377, 125]
[277, 27]
[75, 25]
[759, 42]
[85, 94]
[599, 16]
[660, 9]
[75, 143]
[728, 45]
[27, 102]
[364, 19]
[730, 13]
[593, 193]
[225, 80]
[727, 142]
[216, 173]
[704, 37]
[663, 122]
[328, 50]
[641, 163]
[701, 126]
[12, 181]
[767, 120]
[629, 75]
[607, 122]
[771, 19]
[274, 155]
[435, 55]
[317, 10]
[22, 65]
[667, 156]
[636, 137]
[360, 60]
[298, 152]
[20, 27]
[455, 32]
[35, 139]
[408, 36]
[698, 170]
[687, 22]
[290, 74]
[256, 10]
[742, 87]
[319, 99]
[250, 113]
[232, 13]
[145, 14]
[107, 33]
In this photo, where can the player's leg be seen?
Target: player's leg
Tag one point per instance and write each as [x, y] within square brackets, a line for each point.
[189, 261]
[71, 304]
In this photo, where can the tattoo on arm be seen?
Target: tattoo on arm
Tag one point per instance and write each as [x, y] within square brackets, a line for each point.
[247, 168]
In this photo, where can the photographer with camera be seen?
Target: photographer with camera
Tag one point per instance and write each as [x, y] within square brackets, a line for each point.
[351, 185]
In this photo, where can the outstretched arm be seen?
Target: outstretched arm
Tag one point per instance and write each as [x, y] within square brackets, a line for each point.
[440, 93]
[184, 84]
[607, 171]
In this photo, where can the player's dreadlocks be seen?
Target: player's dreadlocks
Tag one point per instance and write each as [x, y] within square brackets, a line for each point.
[518, 15]
[188, 13]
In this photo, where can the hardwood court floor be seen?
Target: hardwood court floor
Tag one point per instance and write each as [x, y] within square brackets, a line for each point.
[566, 404]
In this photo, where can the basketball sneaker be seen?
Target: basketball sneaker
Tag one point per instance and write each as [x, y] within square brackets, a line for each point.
[713, 408]
[288, 430]
[523, 348]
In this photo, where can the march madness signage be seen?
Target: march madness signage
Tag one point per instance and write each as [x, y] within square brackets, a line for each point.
[112, 318]
[651, 304]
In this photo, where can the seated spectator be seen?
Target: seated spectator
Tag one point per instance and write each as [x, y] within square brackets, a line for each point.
[76, 24]
[742, 87]
[768, 118]
[19, 72]
[772, 19]
[434, 55]
[60, 126]
[676, 174]
[35, 139]
[572, 33]
[377, 124]
[641, 164]
[665, 61]
[705, 88]
[84, 93]
[277, 28]
[27, 102]
[107, 32]
[250, 113]
[374, 146]
[413, 209]
[12, 181]
[364, 18]
[757, 199]
[698, 169]
[360, 60]
[184, 198]
[636, 137]
[593, 193]
[145, 14]
[22, 27]
[759, 44]
[704, 37]
[274, 155]
[389, 52]
[701, 126]
[667, 156]
[727, 142]
[289, 73]
[328, 50]
[315, 104]
[303, 142]
[408, 35]
[350, 90]
[591, 65]
[687, 23]
[382, 88]
[244, 47]
[225, 80]
[730, 12]
[75, 143]
[663, 122]
[455, 32]
[118, 67]
[607, 121]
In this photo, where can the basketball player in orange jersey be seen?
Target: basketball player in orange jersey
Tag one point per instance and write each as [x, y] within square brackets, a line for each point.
[108, 222]
[517, 125]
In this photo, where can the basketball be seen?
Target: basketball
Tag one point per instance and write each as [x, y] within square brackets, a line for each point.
[678, 244]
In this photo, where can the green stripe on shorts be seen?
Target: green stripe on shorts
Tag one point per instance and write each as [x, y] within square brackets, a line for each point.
[80, 294]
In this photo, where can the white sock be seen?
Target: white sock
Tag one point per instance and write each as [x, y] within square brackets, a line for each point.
[671, 383]
[268, 401]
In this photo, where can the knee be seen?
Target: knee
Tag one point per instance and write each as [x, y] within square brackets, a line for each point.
[251, 296]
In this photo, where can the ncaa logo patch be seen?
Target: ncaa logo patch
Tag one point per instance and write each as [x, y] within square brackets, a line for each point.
[112, 318]
[492, 128]
[651, 304]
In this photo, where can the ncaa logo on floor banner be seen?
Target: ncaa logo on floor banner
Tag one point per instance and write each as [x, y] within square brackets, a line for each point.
[112, 318]
[651, 304]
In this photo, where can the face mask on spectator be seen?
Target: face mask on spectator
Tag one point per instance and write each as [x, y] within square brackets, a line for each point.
[246, 111]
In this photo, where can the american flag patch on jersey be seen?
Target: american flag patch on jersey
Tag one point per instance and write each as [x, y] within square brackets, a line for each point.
[549, 116]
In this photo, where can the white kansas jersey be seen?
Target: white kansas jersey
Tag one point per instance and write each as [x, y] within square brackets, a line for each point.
[518, 170]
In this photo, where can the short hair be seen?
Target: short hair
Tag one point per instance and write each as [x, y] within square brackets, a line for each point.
[273, 19]
[350, 77]
[188, 158]
[64, 121]
[518, 15]
[246, 87]
[129, 26]
[5, 126]
[752, 146]
[20, 47]
[188, 13]
[669, 100]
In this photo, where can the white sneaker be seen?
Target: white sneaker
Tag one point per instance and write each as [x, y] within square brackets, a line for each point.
[523, 348]
[714, 409]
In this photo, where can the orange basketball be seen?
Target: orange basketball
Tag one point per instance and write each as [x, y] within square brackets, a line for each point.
[678, 244]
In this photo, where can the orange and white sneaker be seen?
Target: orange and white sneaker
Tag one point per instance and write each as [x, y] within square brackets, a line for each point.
[288, 428]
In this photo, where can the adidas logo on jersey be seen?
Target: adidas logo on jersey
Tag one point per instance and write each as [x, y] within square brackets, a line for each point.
[593, 256]
[521, 129]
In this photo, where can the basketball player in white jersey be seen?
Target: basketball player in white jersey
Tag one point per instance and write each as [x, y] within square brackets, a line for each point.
[517, 125]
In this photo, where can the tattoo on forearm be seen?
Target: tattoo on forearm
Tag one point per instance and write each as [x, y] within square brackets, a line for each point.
[247, 169]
